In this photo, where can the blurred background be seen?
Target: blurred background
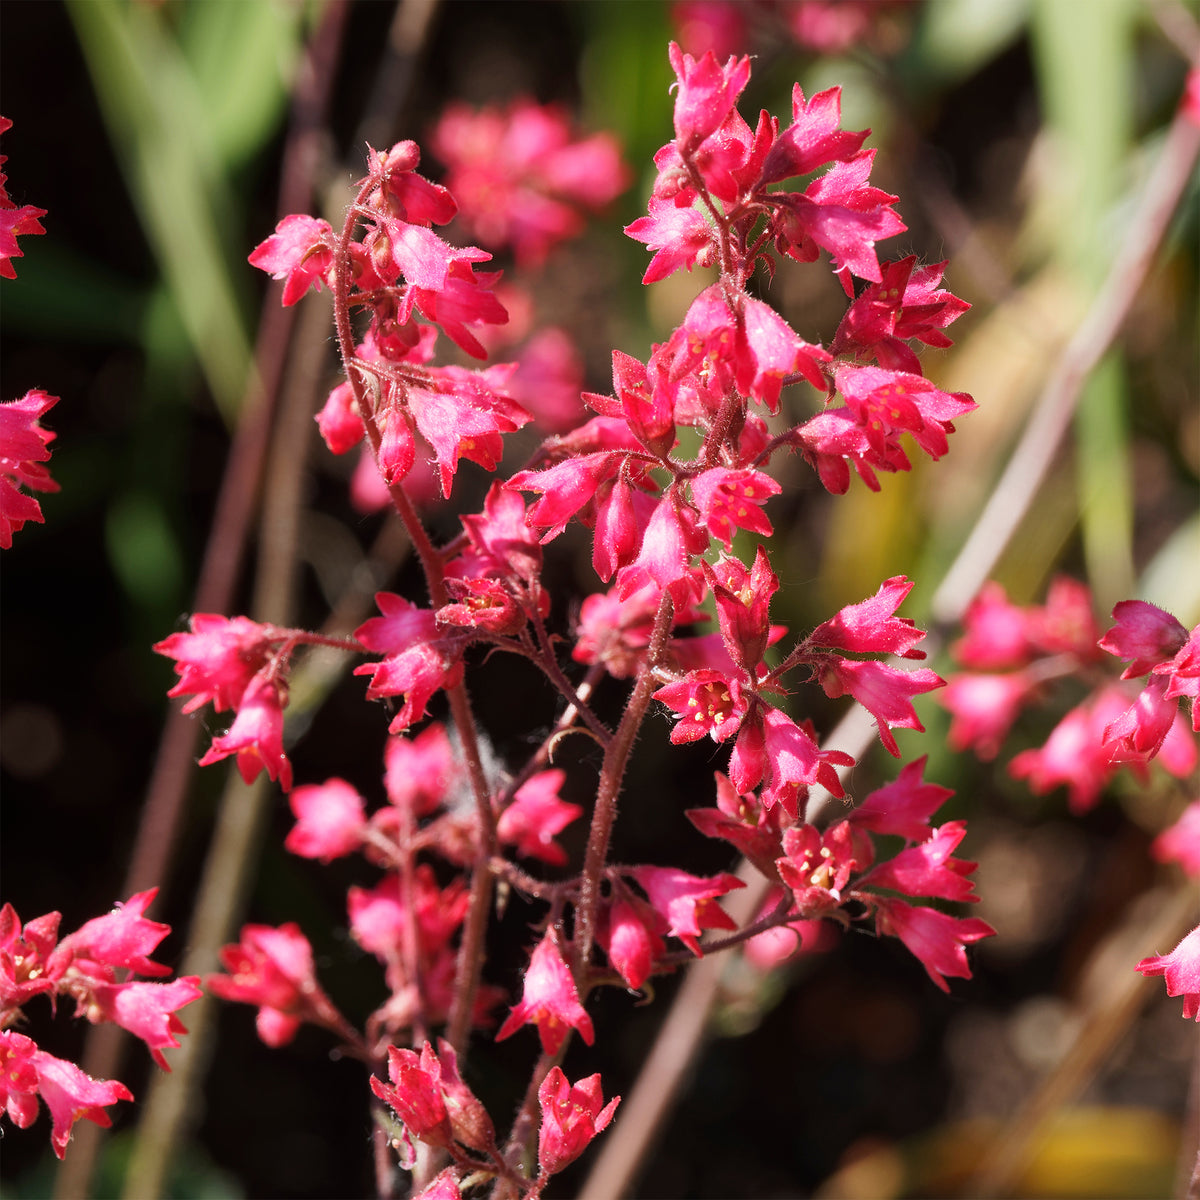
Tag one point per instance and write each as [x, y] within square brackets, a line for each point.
[159, 137]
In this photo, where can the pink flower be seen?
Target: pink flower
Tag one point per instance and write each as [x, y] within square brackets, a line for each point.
[27, 1072]
[419, 771]
[940, 941]
[300, 251]
[24, 448]
[256, 735]
[536, 814]
[902, 808]
[885, 692]
[14, 222]
[1181, 842]
[743, 599]
[813, 139]
[1181, 970]
[731, 500]
[572, 1115]
[928, 869]
[817, 867]
[629, 929]
[681, 237]
[550, 1000]
[984, 708]
[706, 93]
[517, 174]
[147, 1010]
[870, 627]
[121, 938]
[688, 902]
[330, 820]
[1144, 635]
[273, 968]
[217, 660]
[28, 963]
[708, 702]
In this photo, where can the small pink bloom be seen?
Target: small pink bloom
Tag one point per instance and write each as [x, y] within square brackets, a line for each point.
[707, 93]
[731, 500]
[256, 735]
[536, 815]
[813, 139]
[29, 965]
[902, 808]
[27, 1072]
[939, 940]
[1181, 842]
[871, 626]
[743, 599]
[1181, 970]
[817, 867]
[629, 929]
[147, 1010]
[1137, 735]
[928, 869]
[885, 692]
[572, 1115]
[300, 251]
[983, 708]
[1144, 635]
[688, 902]
[330, 820]
[272, 968]
[708, 702]
[420, 771]
[550, 1000]
[121, 938]
[24, 449]
[216, 660]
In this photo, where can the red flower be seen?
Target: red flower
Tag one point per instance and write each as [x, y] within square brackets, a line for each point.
[330, 820]
[28, 964]
[256, 735]
[709, 702]
[937, 939]
[870, 627]
[688, 902]
[147, 1010]
[27, 1072]
[928, 869]
[1181, 842]
[1181, 970]
[536, 814]
[217, 660]
[629, 929]
[121, 938]
[902, 808]
[550, 1000]
[24, 447]
[707, 93]
[572, 1115]
[14, 222]
[273, 968]
[300, 251]
[885, 692]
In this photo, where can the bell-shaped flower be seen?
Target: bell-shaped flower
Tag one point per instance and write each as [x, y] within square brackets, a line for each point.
[687, 902]
[743, 599]
[24, 451]
[817, 866]
[753, 828]
[572, 1115]
[536, 815]
[731, 500]
[707, 93]
[708, 703]
[813, 139]
[996, 632]
[484, 604]
[256, 735]
[273, 968]
[681, 237]
[630, 932]
[300, 251]
[1144, 635]
[550, 1000]
[217, 659]
[1180, 842]
[871, 627]
[419, 771]
[1181, 970]
[27, 1072]
[885, 692]
[983, 708]
[928, 869]
[1137, 735]
[121, 938]
[28, 963]
[902, 808]
[937, 939]
[147, 1010]
[330, 820]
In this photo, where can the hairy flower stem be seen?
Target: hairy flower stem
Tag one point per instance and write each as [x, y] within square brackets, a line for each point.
[612, 772]
[470, 953]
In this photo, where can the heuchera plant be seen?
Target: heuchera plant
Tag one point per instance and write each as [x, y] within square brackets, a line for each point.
[673, 473]
[663, 521]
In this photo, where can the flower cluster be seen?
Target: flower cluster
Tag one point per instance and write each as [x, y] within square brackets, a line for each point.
[1013, 652]
[673, 473]
[95, 966]
[519, 176]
